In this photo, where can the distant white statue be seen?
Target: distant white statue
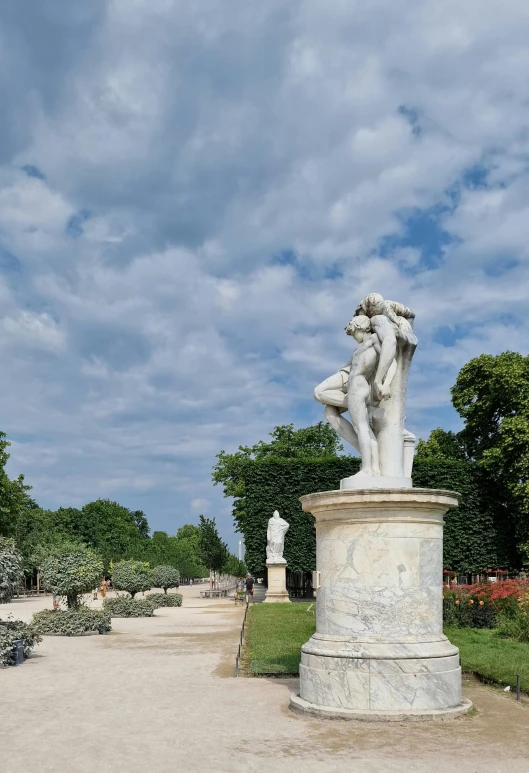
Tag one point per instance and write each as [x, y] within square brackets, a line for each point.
[275, 535]
[372, 387]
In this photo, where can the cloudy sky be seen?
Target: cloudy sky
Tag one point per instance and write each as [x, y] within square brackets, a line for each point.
[195, 195]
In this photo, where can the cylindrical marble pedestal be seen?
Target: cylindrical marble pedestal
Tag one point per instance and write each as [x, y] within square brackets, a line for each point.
[379, 651]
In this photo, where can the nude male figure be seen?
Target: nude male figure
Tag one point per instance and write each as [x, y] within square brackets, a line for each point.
[359, 393]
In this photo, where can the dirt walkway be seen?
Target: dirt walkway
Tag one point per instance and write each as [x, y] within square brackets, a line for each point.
[158, 695]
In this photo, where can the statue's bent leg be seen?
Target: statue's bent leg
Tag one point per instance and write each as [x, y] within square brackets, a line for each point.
[330, 392]
[343, 427]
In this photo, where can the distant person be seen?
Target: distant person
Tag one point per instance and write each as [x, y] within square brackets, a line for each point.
[191, 581]
[250, 582]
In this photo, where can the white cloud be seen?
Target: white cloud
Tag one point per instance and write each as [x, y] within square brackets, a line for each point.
[239, 182]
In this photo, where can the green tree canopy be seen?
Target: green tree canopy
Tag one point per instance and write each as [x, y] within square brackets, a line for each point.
[319, 441]
[491, 394]
[132, 576]
[234, 567]
[71, 571]
[16, 505]
[442, 444]
[214, 551]
[112, 529]
[165, 577]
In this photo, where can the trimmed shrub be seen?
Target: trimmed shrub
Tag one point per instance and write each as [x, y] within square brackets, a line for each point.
[10, 569]
[70, 622]
[470, 536]
[122, 606]
[166, 599]
[71, 572]
[166, 577]
[132, 576]
[10, 632]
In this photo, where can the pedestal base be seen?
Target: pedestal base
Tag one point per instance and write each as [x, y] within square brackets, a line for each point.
[299, 706]
[419, 676]
[277, 584]
[357, 482]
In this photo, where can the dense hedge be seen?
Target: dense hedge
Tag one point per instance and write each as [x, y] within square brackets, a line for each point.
[123, 606]
[165, 599]
[70, 622]
[10, 632]
[470, 535]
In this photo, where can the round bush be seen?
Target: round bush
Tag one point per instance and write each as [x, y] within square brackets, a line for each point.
[71, 572]
[10, 569]
[122, 606]
[71, 622]
[132, 576]
[10, 632]
[165, 599]
[166, 577]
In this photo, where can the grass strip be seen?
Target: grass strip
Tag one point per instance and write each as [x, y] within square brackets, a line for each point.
[276, 632]
[484, 653]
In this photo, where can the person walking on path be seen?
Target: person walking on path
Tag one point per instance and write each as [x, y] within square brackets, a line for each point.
[250, 582]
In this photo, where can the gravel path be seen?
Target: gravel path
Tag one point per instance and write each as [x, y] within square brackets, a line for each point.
[158, 694]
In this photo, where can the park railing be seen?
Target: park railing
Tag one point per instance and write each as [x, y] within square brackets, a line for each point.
[241, 641]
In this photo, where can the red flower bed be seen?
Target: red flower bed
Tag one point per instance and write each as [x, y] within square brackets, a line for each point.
[502, 596]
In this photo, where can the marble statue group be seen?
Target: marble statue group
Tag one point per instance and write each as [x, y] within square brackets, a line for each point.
[379, 651]
[372, 388]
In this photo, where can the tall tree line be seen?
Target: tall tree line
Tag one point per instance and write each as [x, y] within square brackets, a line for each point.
[112, 530]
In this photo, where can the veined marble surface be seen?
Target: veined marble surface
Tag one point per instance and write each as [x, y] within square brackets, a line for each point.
[379, 645]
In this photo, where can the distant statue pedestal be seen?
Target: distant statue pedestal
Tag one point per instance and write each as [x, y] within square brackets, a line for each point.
[277, 583]
[379, 652]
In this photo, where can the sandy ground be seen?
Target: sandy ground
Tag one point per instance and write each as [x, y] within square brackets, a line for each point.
[158, 694]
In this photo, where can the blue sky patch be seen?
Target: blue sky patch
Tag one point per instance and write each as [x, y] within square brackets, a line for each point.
[33, 171]
[74, 226]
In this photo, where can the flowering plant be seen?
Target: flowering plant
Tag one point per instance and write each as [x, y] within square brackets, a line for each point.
[479, 605]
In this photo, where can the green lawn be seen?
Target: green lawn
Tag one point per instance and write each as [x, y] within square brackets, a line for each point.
[275, 635]
[276, 632]
[485, 653]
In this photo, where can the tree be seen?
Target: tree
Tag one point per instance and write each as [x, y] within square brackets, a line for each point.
[142, 524]
[319, 441]
[132, 576]
[491, 394]
[442, 445]
[10, 569]
[166, 577]
[112, 529]
[234, 567]
[15, 501]
[71, 571]
[214, 551]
